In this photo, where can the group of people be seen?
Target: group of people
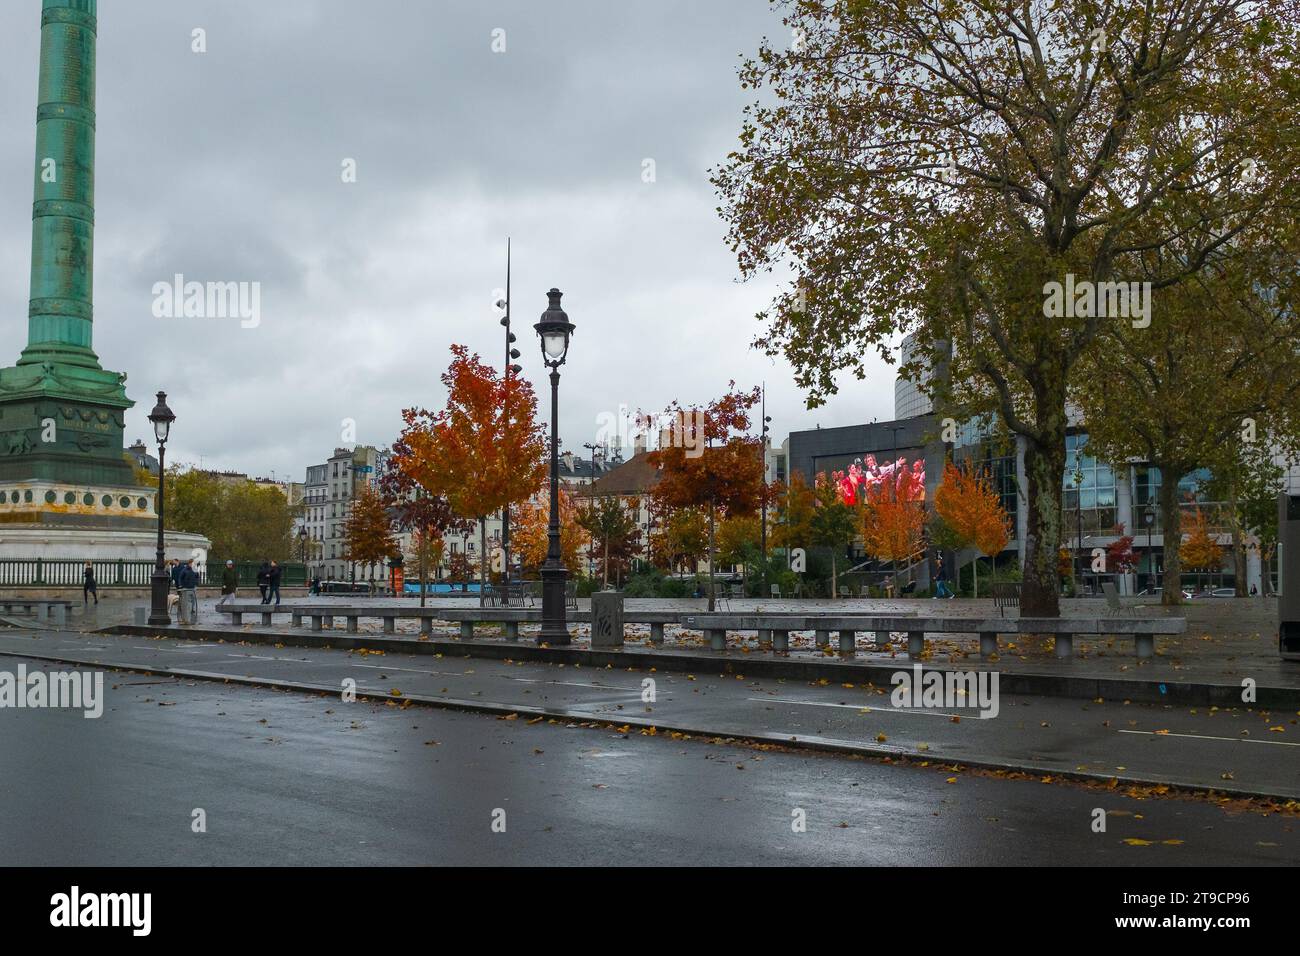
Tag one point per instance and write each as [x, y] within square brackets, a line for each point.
[268, 581]
[185, 580]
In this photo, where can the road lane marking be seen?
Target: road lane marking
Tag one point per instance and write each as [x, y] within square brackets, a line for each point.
[1239, 740]
[567, 683]
[883, 710]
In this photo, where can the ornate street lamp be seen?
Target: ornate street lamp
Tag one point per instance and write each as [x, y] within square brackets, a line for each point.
[162, 419]
[554, 329]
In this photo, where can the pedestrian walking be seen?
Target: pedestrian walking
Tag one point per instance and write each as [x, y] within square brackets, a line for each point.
[88, 586]
[189, 587]
[273, 581]
[264, 580]
[229, 582]
[941, 580]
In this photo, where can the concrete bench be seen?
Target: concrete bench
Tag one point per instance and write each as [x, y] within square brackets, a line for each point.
[775, 628]
[46, 609]
[779, 626]
[508, 618]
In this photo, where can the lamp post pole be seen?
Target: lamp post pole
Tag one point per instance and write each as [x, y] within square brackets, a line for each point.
[510, 369]
[1150, 517]
[162, 418]
[554, 329]
[762, 527]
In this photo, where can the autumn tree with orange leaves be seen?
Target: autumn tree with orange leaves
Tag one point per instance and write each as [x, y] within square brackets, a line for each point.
[972, 508]
[712, 463]
[1200, 552]
[893, 518]
[484, 451]
[368, 531]
[530, 522]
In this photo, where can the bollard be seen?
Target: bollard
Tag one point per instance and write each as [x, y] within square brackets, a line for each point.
[607, 619]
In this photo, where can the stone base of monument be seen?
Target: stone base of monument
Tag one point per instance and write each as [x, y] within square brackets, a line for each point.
[86, 542]
[48, 501]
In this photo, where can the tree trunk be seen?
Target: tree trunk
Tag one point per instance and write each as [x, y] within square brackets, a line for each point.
[712, 588]
[975, 574]
[1238, 543]
[834, 575]
[482, 552]
[424, 542]
[1171, 517]
[1044, 471]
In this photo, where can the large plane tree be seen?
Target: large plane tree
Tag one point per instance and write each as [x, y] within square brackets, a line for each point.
[938, 167]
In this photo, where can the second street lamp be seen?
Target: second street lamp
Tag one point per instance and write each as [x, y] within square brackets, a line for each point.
[162, 419]
[1149, 516]
[554, 329]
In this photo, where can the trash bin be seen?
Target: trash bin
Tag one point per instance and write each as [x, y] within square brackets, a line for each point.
[607, 619]
[1288, 577]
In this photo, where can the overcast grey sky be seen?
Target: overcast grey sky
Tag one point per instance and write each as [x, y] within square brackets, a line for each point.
[226, 166]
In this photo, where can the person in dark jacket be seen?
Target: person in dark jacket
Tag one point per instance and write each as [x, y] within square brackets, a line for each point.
[273, 580]
[88, 586]
[229, 582]
[188, 580]
[264, 580]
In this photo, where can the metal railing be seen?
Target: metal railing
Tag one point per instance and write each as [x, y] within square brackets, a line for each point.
[110, 573]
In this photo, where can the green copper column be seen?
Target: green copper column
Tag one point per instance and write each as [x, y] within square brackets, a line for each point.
[61, 413]
[63, 212]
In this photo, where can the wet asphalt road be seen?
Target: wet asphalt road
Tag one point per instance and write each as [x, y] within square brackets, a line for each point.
[294, 778]
[1203, 747]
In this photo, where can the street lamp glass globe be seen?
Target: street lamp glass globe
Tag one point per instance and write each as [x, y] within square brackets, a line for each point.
[555, 343]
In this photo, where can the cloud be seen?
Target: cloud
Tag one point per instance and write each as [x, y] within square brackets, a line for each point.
[225, 166]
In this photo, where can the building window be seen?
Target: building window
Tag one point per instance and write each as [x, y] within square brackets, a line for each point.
[1089, 491]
